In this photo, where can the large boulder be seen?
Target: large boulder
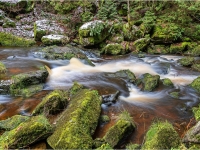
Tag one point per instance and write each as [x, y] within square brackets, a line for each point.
[46, 27]
[187, 61]
[113, 49]
[161, 135]
[140, 44]
[120, 130]
[54, 39]
[178, 48]
[196, 84]
[33, 130]
[92, 33]
[78, 122]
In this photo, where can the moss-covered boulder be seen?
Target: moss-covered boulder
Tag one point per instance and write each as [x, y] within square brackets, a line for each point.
[167, 82]
[140, 44]
[35, 129]
[46, 27]
[54, 39]
[13, 5]
[166, 33]
[196, 67]
[114, 49]
[52, 103]
[192, 135]
[75, 88]
[178, 48]
[150, 82]
[196, 84]
[158, 49]
[2, 68]
[187, 61]
[116, 38]
[78, 122]
[23, 81]
[7, 39]
[66, 52]
[193, 50]
[12, 122]
[120, 130]
[196, 112]
[92, 33]
[131, 33]
[161, 135]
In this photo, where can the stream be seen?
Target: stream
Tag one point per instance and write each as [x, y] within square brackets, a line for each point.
[144, 107]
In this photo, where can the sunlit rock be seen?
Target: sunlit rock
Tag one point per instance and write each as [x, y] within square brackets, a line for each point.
[54, 39]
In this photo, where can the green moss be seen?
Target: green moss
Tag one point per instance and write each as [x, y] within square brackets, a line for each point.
[8, 23]
[196, 111]
[116, 38]
[120, 130]
[84, 33]
[158, 49]
[167, 82]
[38, 34]
[186, 61]
[175, 94]
[2, 68]
[78, 122]
[196, 67]
[193, 51]
[52, 103]
[12, 122]
[161, 135]
[37, 128]
[196, 84]
[105, 146]
[7, 39]
[141, 44]
[132, 147]
[178, 48]
[104, 119]
[75, 88]
[150, 82]
[113, 49]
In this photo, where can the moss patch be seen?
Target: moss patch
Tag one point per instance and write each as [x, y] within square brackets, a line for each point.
[7, 39]
[196, 84]
[186, 61]
[150, 82]
[178, 48]
[78, 122]
[167, 82]
[161, 135]
[175, 94]
[2, 68]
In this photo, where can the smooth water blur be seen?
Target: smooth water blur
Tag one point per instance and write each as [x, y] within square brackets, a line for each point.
[143, 106]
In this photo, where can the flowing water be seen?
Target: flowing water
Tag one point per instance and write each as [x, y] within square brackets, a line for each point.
[144, 107]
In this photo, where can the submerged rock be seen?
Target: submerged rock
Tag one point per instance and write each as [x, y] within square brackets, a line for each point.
[161, 135]
[54, 39]
[36, 129]
[196, 84]
[120, 130]
[110, 98]
[78, 122]
[13, 122]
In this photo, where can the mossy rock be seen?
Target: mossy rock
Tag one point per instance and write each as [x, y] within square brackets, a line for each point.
[196, 112]
[4, 86]
[141, 44]
[105, 146]
[116, 38]
[78, 122]
[194, 51]
[8, 23]
[175, 94]
[7, 39]
[196, 84]
[75, 88]
[192, 135]
[178, 48]
[104, 119]
[161, 135]
[2, 68]
[187, 61]
[196, 67]
[21, 82]
[52, 103]
[2, 14]
[158, 49]
[36, 129]
[120, 130]
[167, 82]
[12, 122]
[150, 82]
[133, 147]
[166, 33]
[54, 39]
[13, 6]
[113, 49]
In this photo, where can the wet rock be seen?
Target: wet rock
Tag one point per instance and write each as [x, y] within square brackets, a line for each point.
[78, 122]
[7, 39]
[54, 39]
[52, 103]
[158, 49]
[46, 27]
[110, 98]
[13, 5]
[196, 84]
[161, 135]
[13, 122]
[93, 32]
[192, 135]
[186, 61]
[36, 129]
[150, 82]
[5, 86]
[66, 52]
[120, 130]
[31, 80]
[167, 82]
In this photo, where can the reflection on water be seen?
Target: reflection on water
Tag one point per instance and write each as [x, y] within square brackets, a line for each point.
[143, 106]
